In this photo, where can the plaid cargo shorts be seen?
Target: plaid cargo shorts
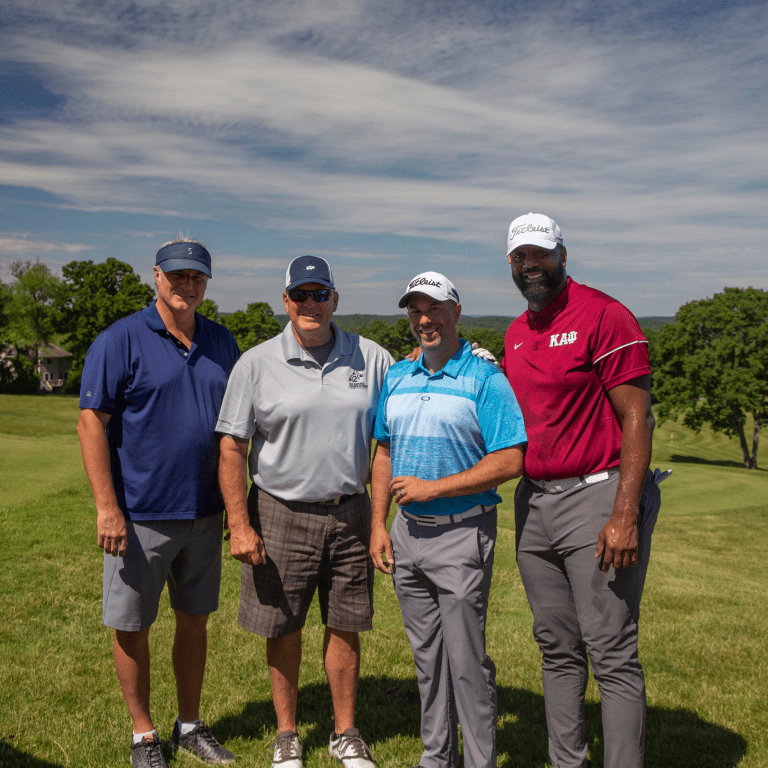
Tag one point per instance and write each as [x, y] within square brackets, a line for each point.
[309, 547]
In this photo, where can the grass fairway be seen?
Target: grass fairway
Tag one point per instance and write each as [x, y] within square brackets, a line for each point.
[703, 636]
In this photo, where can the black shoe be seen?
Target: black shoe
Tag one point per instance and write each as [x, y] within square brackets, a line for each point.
[147, 754]
[201, 743]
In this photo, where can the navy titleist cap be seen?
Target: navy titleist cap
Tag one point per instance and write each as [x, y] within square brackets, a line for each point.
[184, 256]
[308, 269]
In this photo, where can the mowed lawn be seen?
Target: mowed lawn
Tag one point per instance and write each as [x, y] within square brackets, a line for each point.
[703, 637]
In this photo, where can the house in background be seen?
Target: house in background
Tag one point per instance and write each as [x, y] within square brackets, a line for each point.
[53, 364]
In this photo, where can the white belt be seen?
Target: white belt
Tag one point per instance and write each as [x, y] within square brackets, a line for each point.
[566, 483]
[432, 521]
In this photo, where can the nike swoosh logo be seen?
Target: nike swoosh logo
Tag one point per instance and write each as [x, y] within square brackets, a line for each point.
[519, 345]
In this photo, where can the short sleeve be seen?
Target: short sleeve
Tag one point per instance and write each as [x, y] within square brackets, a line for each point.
[381, 428]
[620, 351]
[104, 372]
[501, 420]
[237, 414]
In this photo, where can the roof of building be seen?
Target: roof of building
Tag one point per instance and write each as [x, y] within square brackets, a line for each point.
[51, 350]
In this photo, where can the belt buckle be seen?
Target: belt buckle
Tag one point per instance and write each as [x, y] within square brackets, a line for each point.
[428, 521]
[330, 502]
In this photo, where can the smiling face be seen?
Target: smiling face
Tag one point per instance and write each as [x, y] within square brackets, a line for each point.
[181, 290]
[434, 325]
[538, 273]
[311, 320]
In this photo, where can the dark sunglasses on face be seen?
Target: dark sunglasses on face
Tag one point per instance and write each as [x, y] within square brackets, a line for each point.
[318, 296]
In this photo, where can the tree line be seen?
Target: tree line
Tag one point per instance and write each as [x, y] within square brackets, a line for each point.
[710, 366]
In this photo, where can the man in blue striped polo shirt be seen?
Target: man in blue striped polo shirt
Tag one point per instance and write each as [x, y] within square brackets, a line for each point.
[449, 431]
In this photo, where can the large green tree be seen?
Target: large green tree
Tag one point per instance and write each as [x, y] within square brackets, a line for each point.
[397, 339]
[486, 338]
[253, 326]
[95, 296]
[711, 365]
[32, 307]
[210, 309]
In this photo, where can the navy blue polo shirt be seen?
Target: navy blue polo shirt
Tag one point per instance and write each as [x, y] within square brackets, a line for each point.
[164, 402]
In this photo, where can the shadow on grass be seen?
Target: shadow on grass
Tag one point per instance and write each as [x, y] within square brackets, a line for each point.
[674, 737]
[10, 757]
[388, 708]
[677, 458]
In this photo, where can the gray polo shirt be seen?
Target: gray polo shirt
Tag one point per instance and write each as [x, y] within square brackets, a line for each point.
[310, 426]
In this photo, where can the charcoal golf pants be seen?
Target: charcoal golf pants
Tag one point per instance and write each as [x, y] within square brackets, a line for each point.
[582, 616]
[442, 578]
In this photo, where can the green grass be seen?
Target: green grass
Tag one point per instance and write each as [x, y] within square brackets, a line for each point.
[702, 637]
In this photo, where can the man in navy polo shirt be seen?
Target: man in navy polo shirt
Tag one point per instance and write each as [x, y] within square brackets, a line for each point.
[150, 394]
[585, 509]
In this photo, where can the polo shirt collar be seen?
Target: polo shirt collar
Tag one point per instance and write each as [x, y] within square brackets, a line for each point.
[452, 368]
[292, 350]
[152, 318]
[155, 322]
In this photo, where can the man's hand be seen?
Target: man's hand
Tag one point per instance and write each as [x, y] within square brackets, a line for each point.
[406, 489]
[617, 545]
[112, 536]
[381, 550]
[246, 546]
[484, 354]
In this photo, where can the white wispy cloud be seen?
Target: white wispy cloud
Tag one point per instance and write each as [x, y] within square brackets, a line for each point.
[441, 122]
[20, 245]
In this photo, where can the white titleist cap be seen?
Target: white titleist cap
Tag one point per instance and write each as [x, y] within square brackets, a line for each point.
[431, 284]
[533, 229]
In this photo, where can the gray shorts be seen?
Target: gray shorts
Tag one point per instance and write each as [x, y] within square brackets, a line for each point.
[309, 547]
[185, 553]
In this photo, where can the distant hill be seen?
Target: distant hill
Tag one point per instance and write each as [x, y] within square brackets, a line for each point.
[352, 323]
[654, 323]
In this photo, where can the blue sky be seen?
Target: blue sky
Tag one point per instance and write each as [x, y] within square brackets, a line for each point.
[391, 137]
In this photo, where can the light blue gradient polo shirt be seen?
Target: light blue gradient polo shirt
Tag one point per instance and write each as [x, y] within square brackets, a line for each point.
[444, 423]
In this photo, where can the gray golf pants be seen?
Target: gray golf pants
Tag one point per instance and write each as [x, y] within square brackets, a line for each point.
[442, 578]
[581, 614]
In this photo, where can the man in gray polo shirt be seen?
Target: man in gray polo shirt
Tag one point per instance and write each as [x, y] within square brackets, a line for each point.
[306, 401]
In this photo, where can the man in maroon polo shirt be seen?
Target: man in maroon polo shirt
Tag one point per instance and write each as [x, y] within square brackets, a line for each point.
[585, 508]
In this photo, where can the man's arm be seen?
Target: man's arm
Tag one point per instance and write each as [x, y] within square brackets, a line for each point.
[381, 498]
[617, 542]
[492, 470]
[110, 521]
[245, 544]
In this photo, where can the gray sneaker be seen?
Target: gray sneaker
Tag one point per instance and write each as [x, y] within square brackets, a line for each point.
[287, 751]
[201, 743]
[350, 750]
[147, 754]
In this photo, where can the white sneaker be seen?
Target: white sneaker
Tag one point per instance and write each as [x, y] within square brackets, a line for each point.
[287, 750]
[350, 750]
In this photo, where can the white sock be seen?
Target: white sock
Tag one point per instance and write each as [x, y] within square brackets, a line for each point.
[186, 728]
[137, 737]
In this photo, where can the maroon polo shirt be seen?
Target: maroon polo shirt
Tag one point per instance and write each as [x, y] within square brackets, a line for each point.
[561, 362]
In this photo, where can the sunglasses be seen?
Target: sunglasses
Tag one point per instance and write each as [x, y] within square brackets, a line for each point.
[319, 296]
